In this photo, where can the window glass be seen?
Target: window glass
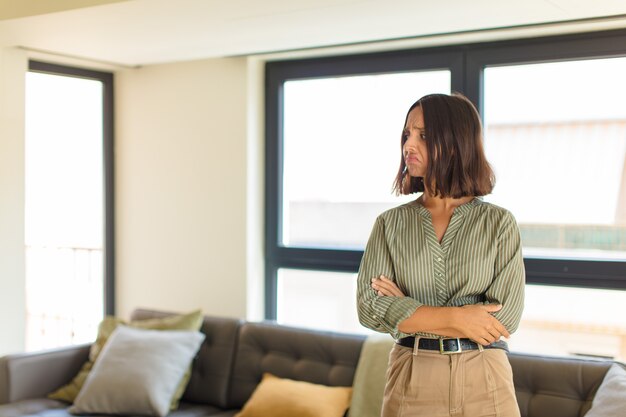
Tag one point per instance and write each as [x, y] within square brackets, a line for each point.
[64, 210]
[572, 321]
[555, 134]
[318, 300]
[556, 320]
[342, 152]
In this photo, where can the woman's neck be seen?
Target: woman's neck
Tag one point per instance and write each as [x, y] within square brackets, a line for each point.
[438, 203]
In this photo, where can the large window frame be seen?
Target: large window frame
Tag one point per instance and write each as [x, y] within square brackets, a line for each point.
[466, 63]
[106, 78]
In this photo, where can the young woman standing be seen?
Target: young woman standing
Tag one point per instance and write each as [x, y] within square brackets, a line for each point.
[444, 274]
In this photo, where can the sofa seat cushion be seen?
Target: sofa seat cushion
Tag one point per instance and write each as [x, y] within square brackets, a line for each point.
[44, 407]
[38, 407]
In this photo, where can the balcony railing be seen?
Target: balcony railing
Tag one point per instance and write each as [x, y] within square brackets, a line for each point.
[64, 295]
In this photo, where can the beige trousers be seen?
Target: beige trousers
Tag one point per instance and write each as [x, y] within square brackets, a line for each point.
[469, 384]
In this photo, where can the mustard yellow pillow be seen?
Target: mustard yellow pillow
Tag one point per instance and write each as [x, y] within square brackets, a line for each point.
[190, 321]
[278, 397]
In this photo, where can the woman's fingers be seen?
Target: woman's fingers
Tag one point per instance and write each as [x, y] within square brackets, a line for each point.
[501, 329]
[479, 324]
[384, 286]
[483, 341]
[391, 287]
[491, 308]
[494, 333]
[496, 330]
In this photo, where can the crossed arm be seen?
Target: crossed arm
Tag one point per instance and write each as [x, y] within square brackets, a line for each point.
[472, 321]
[384, 308]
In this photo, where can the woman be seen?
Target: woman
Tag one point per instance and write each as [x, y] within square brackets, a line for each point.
[444, 274]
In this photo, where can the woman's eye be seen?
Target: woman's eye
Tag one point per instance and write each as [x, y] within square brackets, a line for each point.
[423, 136]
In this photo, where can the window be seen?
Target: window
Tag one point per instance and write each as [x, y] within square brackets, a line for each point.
[69, 257]
[553, 132]
[560, 160]
[331, 171]
[302, 293]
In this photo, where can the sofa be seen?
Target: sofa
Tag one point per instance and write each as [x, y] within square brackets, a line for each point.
[235, 354]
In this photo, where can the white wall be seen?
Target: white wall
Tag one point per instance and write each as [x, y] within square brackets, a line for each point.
[180, 163]
[13, 65]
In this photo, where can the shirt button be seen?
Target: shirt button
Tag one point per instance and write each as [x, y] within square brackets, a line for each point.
[439, 259]
[440, 292]
[439, 274]
[374, 316]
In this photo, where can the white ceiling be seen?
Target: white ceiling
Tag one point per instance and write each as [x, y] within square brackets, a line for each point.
[139, 32]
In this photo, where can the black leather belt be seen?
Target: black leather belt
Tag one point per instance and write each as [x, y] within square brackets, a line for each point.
[448, 346]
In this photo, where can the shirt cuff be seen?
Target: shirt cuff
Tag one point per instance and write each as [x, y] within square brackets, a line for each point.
[391, 311]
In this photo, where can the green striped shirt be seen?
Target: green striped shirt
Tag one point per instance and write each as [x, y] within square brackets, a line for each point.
[479, 261]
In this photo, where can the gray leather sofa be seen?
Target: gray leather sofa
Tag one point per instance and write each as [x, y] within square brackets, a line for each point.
[235, 354]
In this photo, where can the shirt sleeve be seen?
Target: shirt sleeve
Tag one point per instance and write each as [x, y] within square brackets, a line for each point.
[507, 287]
[380, 313]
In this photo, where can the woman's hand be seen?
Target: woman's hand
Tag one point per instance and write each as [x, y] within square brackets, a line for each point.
[474, 321]
[478, 324]
[384, 286]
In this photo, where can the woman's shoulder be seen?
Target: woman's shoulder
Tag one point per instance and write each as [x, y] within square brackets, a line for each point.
[398, 212]
[495, 211]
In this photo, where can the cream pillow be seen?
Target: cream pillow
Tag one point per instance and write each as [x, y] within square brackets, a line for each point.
[277, 397]
[610, 400]
[189, 321]
[137, 372]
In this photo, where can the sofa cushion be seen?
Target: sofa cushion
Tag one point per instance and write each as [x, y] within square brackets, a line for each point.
[610, 400]
[555, 387]
[190, 321]
[213, 365]
[138, 372]
[43, 407]
[38, 407]
[324, 358]
[279, 397]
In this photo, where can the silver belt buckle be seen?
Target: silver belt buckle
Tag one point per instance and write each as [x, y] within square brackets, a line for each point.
[450, 352]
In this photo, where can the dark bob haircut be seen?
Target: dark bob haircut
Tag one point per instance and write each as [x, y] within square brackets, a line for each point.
[457, 166]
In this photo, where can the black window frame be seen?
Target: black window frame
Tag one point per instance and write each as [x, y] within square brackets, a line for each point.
[466, 63]
[107, 79]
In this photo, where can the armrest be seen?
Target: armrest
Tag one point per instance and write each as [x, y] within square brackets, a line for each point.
[35, 375]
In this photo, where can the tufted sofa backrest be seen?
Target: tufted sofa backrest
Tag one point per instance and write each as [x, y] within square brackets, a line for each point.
[556, 387]
[212, 366]
[235, 354]
[287, 352]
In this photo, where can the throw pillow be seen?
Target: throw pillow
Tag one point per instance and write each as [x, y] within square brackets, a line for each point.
[370, 377]
[190, 321]
[610, 400]
[137, 372]
[277, 397]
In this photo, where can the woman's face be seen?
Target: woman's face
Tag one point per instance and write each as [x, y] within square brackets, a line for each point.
[414, 148]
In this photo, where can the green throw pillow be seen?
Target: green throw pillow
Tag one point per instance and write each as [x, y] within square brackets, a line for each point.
[190, 321]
